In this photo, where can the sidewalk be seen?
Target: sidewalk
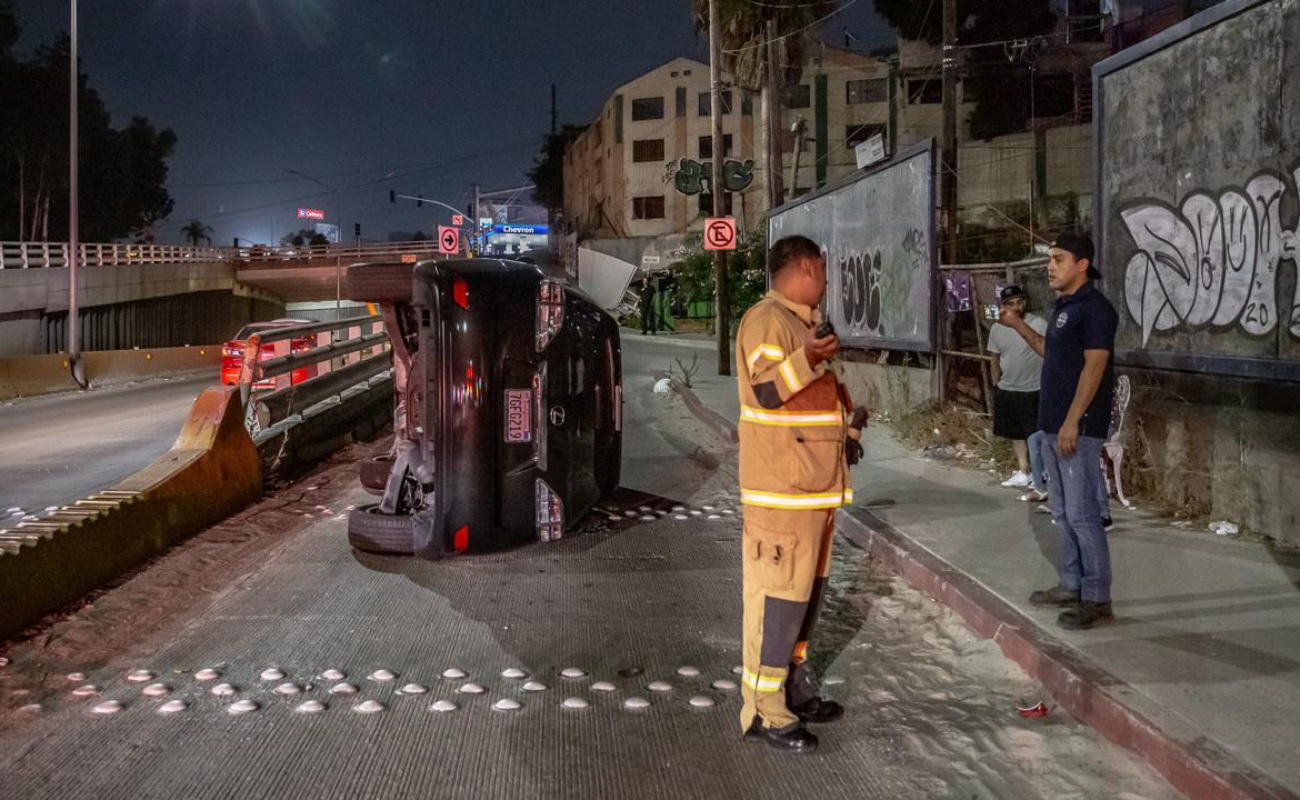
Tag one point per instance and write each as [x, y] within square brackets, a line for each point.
[1200, 673]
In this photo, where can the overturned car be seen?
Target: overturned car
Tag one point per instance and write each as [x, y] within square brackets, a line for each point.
[509, 409]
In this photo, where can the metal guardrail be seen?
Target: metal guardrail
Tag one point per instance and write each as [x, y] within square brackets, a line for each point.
[39, 255]
[333, 376]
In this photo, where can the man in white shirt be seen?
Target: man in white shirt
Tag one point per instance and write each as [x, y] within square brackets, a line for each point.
[1016, 371]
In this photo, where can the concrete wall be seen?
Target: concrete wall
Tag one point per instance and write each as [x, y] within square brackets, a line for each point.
[127, 306]
[887, 388]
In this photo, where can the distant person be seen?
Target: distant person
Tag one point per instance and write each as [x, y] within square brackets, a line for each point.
[1074, 412]
[796, 446]
[647, 308]
[1016, 369]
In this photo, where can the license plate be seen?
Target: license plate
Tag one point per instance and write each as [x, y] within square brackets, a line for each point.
[519, 415]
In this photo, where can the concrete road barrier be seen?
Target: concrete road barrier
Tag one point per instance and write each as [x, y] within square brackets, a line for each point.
[211, 472]
[29, 376]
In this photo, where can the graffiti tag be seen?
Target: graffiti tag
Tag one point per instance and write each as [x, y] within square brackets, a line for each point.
[692, 177]
[860, 291]
[1213, 263]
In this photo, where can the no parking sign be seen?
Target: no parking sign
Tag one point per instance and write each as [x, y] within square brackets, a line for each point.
[720, 233]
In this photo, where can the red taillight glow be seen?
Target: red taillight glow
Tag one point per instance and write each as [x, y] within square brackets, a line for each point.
[460, 290]
[461, 543]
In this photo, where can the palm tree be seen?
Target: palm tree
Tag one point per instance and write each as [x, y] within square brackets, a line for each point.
[196, 231]
[743, 31]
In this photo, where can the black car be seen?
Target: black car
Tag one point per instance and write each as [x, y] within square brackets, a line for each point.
[509, 410]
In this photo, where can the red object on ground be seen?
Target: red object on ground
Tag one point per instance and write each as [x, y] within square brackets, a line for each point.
[1039, 710]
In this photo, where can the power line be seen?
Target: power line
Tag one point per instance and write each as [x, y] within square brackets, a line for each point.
[784, 36]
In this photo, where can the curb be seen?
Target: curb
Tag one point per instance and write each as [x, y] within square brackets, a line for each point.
[667, 338]
[1195, 765]
[715, 421]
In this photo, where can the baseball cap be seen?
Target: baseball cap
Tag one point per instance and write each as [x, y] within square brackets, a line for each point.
[1012, 291]
[1080, 247]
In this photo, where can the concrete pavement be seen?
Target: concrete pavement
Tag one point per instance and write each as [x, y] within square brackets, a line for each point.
[58, 449]
[1204, 650]
[629, 602]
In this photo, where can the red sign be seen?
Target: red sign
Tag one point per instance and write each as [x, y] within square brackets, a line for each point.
[409, 258]
[720, 233]
[458, 220]
[448, 240]
[311, 213]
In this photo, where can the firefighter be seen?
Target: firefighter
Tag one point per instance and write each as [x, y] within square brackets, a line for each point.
[796, 444]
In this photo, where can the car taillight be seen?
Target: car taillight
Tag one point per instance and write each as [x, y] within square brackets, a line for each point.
[232, 350]
[550, 513]
[460, 291]
[550, 312]
[301, 345]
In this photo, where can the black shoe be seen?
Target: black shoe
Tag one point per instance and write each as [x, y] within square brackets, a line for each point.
[818, 710]
[1085, 615]
[1107, 524]
[794, 738]
[1055, 596]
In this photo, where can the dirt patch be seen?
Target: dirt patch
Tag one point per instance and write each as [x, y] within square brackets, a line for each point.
[177, 584]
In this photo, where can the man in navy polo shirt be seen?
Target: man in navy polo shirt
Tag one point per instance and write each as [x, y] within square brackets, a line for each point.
[1074, 404]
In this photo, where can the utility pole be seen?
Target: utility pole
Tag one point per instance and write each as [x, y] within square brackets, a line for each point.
[776, 166]
[477, 228]
[723, 310]
[554, 112]
[950, 150]
[74, 247]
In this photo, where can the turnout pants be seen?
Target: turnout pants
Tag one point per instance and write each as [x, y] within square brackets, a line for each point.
[784, 568]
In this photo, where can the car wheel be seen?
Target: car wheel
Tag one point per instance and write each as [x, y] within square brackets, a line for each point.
[373, 531]
[374, 473]
[381, 283]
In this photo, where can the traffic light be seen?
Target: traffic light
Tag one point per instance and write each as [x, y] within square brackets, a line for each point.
[392, 196]
[419, 203]
[356, 229]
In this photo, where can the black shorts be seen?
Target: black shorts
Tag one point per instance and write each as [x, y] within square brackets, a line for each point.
[1015, 414]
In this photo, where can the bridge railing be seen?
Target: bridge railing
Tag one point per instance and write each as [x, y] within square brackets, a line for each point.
[38, 255]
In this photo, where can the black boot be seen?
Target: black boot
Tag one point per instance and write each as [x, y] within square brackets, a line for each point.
[818, 710]
[1055, 596]
[793, 738]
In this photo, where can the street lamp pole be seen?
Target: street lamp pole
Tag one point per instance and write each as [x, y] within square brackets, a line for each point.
[74, 247]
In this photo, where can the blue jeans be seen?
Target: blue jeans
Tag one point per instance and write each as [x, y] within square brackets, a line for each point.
[1072, 484]
[1039, 475]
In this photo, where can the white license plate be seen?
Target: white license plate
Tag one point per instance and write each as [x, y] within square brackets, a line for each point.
[519, 415]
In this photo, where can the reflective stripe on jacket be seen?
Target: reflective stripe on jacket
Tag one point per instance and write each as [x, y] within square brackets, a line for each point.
[792, 415]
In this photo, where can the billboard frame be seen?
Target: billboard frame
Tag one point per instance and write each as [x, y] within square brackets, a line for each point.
[927, 146]
[1231, 366]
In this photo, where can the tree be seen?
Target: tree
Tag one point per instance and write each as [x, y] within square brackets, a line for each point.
[197, 231]
[122, 172]
[991, 79]
[304, 238]
[547, 173]
[743, 31]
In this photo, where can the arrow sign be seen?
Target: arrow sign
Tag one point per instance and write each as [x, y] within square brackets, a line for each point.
[448, 240]
[720, 233]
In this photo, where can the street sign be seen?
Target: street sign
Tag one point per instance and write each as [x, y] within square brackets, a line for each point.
[521, 230]
[485, 222]
[458, 220]
[871, 151]
[720, 233]
[448, 240]
[311, 213]
[409, 258]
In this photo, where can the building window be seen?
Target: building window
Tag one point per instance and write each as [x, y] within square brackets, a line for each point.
[647, 108]
[673, 74]
[647, 150]
[705, 106]
[875, 90]
[747, 104]
[648, 207]
[706, 146]
[799, 96]
[686, 72]
[855, 135]
[706, 203]
[681, 101]
[925, 91]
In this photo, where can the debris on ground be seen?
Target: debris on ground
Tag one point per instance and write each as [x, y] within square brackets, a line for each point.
[1225, 528]
[664, 386]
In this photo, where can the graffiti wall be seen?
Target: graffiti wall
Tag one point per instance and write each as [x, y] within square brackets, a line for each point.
[1199, 192]
[876, 228]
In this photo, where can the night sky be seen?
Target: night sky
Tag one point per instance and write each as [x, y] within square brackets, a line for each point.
[425, 98]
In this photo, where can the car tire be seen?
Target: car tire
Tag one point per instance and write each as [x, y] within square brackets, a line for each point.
[381, 283]
[373, 531]
[374, 473]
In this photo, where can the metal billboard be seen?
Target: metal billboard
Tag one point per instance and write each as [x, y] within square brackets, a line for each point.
[877, 230]
[1197, 136]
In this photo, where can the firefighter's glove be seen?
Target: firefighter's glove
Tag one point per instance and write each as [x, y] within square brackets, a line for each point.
[860, 417]
[853, 451]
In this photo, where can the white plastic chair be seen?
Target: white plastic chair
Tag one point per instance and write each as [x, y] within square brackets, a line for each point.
[1113, 449]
